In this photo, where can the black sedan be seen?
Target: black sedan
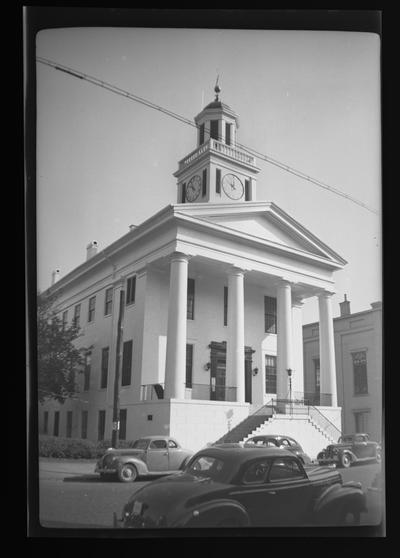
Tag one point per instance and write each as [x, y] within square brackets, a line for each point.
[227, 487]
[279, 441]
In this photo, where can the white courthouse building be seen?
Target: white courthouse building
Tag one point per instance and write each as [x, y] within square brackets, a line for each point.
[213, 289]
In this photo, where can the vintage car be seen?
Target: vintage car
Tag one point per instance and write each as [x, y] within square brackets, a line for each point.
[260, 487]
[278, 441]
[150, 455]
[350, 449]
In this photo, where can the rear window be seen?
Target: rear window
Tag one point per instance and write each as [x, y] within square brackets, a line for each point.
[207, 466]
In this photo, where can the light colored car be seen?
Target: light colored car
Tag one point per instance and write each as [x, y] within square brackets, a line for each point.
[279, 441]
[150, 455]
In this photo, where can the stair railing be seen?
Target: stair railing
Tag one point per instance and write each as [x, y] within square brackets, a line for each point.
[331, 429]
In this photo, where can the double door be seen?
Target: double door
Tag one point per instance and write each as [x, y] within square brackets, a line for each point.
[218, 389]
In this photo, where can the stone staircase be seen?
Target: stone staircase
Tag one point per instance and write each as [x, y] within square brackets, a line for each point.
[244, 429]
[313, 437]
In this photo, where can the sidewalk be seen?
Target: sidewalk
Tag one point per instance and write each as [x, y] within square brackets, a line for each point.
[50, 468]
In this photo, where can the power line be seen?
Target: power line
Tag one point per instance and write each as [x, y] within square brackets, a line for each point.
[263, 156]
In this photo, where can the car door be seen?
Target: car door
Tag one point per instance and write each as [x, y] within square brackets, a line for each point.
[253, 492]
[289, 485]
[175, 455]
[362, 448]
[157, 456]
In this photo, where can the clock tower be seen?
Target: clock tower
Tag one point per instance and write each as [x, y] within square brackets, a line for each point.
[217, 171]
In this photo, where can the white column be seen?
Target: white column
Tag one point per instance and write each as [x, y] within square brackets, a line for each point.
[235, 345]
[175, 367]
[297, 332]
[327, 348]
[285, 340]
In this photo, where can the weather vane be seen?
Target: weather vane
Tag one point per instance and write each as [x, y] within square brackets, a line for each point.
[217, 89]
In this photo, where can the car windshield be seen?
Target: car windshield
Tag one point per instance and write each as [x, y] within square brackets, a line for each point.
[208, 467]
[140, 444]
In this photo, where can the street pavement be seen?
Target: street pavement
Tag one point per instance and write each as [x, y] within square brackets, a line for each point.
[72, 495]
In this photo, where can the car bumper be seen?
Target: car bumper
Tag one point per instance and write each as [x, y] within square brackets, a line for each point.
[103, 471]
[328, 461]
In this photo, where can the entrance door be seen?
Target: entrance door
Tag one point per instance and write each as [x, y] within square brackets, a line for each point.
[217, 379]
[247, 380]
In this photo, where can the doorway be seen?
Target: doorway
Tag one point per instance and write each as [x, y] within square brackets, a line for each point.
[218, 389]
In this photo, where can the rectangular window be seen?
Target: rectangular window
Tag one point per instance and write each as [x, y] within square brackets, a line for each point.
[247, 190]
[189, 365]
[46, 422]
[101, 426]
[190, 299]
[130, 290]
[92, 305]
[126, 363]
[225, 306]
[218, 181]
[361, 421]
[69, 424]
[228, 133]
[204, 183]
[86, 372]
[214, 129]
[360, 373]
[122, 424]
[108, 298]
[104, 367]
[270, 374]
[64, 319]
[84, 424]
[56, 425]
[270, 314]
[201, 137]
[77, 315]
[317, 375]
[183, 199]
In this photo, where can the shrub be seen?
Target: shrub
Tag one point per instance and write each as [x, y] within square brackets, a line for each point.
[74, 448]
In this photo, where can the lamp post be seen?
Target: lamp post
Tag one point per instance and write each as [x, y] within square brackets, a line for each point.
[289, 373]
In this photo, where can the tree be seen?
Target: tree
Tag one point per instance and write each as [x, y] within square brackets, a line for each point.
[58, 357]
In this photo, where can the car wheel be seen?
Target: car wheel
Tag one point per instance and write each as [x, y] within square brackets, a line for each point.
[320, 456]
[127, 473]
[345, 460]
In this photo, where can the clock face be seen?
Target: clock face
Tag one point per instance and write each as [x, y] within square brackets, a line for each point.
[232, 186]
[193, 188]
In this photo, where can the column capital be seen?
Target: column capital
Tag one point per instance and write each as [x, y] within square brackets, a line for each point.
[236, 270]
[297, 302]
[179, 257]
[325, 294]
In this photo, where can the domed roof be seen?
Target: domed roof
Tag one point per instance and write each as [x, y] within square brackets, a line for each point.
[217, 105]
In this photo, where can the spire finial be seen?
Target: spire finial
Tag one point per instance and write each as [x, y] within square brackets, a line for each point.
[217, 89]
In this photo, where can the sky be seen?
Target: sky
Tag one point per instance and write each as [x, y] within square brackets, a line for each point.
[310, 99]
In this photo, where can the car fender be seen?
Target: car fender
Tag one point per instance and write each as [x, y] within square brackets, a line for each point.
[336, 495]
[209, 514]
[138, 463]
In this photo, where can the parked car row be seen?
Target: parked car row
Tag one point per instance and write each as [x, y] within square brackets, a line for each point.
[266, 481]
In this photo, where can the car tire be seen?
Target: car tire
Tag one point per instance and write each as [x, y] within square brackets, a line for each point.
[127, 473]
[345, 460]
[320, 456]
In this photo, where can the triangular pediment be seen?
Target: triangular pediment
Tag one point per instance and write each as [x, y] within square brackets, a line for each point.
[264, 222]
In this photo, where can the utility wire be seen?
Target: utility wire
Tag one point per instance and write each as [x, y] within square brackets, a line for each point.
[263, 156]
